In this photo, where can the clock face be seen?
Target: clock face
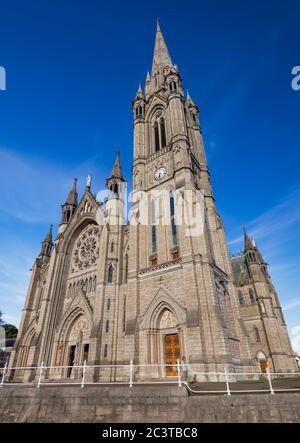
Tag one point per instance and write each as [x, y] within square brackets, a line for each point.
[160, 173]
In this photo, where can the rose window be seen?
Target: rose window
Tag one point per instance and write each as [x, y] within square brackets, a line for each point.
[86, 250]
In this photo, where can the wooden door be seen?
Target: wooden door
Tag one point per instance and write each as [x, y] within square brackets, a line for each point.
[263, 366]
[172, 353]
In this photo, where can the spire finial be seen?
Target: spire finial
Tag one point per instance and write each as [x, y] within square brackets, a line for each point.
[161, 56]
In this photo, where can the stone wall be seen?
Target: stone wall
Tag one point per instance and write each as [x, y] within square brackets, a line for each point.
[141, 404]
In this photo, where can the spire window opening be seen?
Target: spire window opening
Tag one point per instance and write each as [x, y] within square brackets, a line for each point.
[139, 112]
[124, 314]
[156, 137]
[241, 298]
[163, 133]
[256, 334]
[251, 296]
[126, 269]
[153, 239]
[110, 274]
[160, 139]
[173, 86]
[173, 222]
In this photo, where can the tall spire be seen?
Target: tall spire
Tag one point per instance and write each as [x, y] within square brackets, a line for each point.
[72, 197]
[117, 169]
[247, 241]
[161, 56]
[47, 244]
[70, 205]
[48, 238]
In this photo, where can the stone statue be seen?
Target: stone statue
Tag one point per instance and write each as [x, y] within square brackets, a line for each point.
[88, 181]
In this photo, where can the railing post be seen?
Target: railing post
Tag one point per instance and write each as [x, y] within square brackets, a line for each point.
[83, 374]
[227, 382]
[270, 381]
[179, 373]
[3, 374]
[40, 375]
[131, 374]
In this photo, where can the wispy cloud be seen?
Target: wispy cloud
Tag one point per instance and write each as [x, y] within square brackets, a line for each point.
[277, 223]
[291, 304]
[32, 188]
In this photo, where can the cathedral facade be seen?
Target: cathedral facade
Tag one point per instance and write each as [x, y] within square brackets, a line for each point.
[110, 293]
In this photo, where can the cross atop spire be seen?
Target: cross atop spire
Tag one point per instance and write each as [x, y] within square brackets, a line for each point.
[161, 56]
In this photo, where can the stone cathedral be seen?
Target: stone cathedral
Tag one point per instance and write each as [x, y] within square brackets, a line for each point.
[152, 294]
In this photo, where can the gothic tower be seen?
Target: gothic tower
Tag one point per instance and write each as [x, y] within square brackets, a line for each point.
[180, 295]
[261, 311]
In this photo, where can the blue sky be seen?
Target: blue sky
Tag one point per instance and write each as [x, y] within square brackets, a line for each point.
[73, 68]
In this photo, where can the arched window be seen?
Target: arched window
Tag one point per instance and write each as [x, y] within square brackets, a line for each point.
[112, 246]
[107, 326]
[94, 284]
[159, 128]
[173, 222]
[241, 298]
[124, 314]
[153, 228]
[126, 269]
[173, 86]
[251, 296]
[156, 136]
[139, 112]
[110, 274]
[67, 216]
[256, 334]
[105, 350]
[108, 304]
[162, 133]
[153, 239]
[174, 232]
[116, 188]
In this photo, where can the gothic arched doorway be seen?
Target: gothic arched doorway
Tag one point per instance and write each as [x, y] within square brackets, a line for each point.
[73, 346]
[77, 350]
[165, 342]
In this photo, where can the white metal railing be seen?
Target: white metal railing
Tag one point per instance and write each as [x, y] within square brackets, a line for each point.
[226, 383]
